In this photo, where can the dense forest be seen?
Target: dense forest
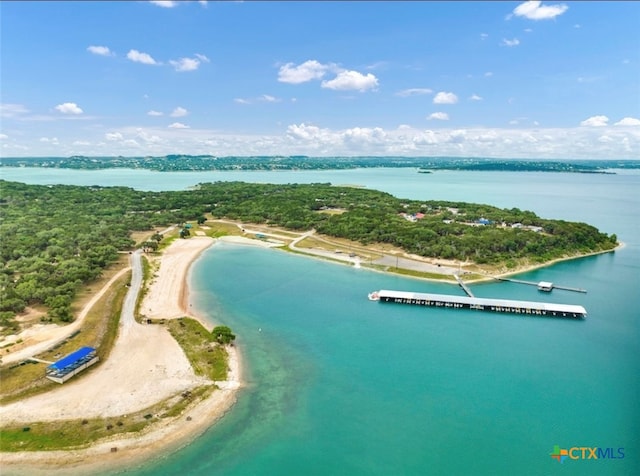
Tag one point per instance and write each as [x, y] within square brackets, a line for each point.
[207, 162]
[53, 239]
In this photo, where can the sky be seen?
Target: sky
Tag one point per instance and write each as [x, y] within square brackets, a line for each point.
[556, 80]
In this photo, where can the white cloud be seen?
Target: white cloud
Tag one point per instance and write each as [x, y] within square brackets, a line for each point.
[47, 140]
[302, 73]
[484, 36]
[154, 113]
[514, 42]
[445, 98]
[351, 80]
[138, 57]
[3, 136]
[608, 142]
[148, 137]
[440, 116]
[378, 65]
[628, 121]
[475, 97]
[590, 79]
[268, 98]
[179, 112]
[113, 136]
[12, 110]
[595, 121]
[178, 125]
[68, 108]
[164, 3]
[242, 101]
[488, 74]
[131, 143]
[534, 10]
[413, 92]
[100, 50]
[80, 142]
[304, 131]
[188, 64]
[364, 135]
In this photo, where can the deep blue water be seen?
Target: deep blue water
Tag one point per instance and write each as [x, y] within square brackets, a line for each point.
[339, 385]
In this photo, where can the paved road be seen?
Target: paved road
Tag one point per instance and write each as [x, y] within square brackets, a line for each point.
[127, 318]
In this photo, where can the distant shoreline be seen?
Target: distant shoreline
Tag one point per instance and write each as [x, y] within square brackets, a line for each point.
[201, 163]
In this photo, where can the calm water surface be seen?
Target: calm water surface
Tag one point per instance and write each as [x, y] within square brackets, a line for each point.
[338, 385]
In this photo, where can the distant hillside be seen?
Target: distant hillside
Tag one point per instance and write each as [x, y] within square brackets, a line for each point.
[205, 162]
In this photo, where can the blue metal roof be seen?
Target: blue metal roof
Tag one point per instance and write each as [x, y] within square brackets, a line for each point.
[72, 358]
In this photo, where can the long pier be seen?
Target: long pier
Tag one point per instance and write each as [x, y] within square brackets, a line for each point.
[463, 286]
[480, 304]
[531, 283]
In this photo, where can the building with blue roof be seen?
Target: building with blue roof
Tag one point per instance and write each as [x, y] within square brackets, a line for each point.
[72, 364]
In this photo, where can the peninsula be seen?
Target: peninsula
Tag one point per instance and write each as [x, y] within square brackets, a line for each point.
[67, 255]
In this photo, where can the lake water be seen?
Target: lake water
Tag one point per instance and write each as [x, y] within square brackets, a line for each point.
[339, 385]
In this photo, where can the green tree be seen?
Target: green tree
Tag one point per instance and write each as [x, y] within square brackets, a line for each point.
[223, 335]
[157, 237]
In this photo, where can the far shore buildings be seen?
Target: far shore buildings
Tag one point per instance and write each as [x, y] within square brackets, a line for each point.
[414, 217]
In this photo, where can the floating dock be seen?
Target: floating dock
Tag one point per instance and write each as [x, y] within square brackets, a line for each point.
[542, 285]
[481, 304]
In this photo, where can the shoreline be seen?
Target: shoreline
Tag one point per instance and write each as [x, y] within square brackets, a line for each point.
[533, 267]
[164, 437]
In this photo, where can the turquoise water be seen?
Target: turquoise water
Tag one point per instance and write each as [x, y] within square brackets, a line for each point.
[338, 385]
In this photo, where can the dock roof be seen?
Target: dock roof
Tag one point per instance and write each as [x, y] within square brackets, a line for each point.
[540, 306]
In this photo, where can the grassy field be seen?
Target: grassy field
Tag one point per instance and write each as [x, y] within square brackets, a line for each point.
[207, 357]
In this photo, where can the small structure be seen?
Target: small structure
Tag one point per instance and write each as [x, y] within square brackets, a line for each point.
[545, 286]
[72, 364]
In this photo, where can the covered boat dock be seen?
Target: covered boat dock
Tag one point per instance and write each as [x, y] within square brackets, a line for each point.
[483, 304]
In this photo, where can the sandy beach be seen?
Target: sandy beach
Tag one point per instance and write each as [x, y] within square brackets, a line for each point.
[146, 365]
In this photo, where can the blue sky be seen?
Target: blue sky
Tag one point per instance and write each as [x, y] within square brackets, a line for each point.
[483, 79]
